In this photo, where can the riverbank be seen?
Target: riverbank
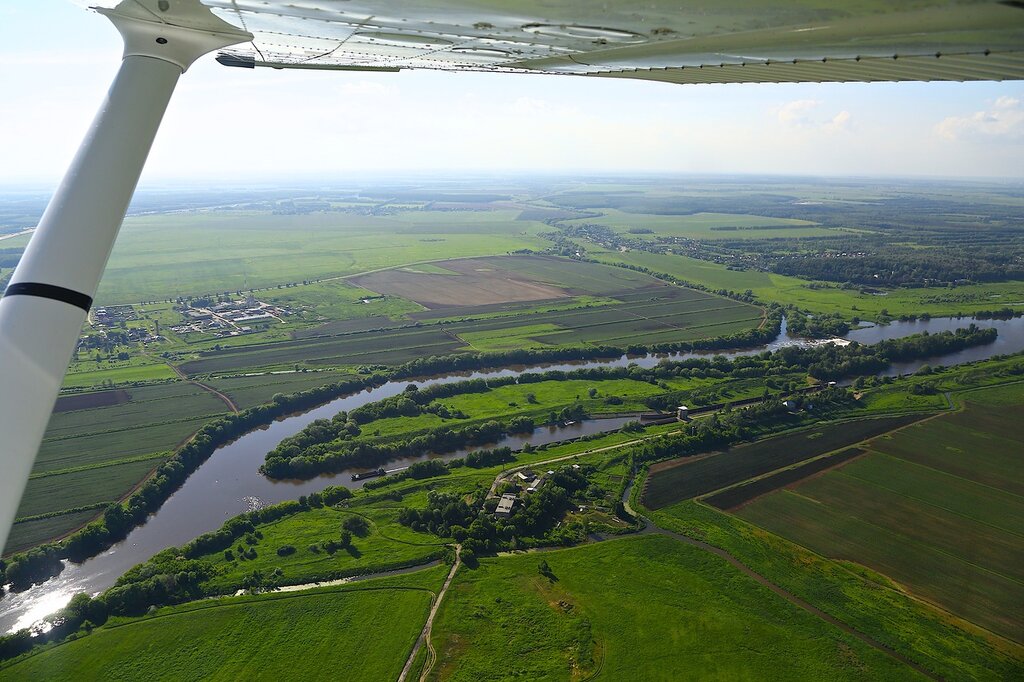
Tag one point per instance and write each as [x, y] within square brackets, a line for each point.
[227, 483]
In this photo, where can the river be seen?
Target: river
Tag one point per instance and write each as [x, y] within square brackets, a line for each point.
[228, 483]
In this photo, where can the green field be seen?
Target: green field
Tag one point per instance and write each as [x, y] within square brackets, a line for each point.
[642, 609]
[688, 477]
[164, 256]
[98, 454]
[952, 648]
[95, 375]
[249, 391]
[641, 311]
[361, 632]
[27, 534]
[938, 507]
[385, 545]
[507, 401]
[792, 290]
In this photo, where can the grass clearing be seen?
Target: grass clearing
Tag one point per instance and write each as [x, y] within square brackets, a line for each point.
[868, 601]
[386, 545]
[687, 615]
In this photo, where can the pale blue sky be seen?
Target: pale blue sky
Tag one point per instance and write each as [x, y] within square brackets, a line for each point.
[56, 61]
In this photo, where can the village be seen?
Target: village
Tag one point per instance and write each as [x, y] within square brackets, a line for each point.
[228, 318]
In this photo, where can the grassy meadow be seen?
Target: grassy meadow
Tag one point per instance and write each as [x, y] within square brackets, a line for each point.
[362, 631]
[164, 256]
[384, 545]
[647, 608]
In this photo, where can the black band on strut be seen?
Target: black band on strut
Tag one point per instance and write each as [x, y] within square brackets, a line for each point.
[51, 291]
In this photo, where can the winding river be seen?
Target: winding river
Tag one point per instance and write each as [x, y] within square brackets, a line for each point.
[228, 483]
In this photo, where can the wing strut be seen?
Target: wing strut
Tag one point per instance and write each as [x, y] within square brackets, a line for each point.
[45, 305]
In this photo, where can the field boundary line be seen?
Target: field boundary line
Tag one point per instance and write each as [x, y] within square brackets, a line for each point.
[909, 540]
[162, 454]
[927, 503]
[210, 389]
[946, 473]
[789, 596]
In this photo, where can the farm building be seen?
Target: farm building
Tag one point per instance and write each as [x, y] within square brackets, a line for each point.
[505, 504]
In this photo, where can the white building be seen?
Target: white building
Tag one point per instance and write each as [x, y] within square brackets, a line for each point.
[505, 504]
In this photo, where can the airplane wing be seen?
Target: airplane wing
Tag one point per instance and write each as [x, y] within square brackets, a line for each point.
[680, 41]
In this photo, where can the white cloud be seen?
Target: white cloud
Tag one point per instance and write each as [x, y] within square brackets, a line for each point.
[798, 112]
[1002, 122]
[840, 123]
[804, 114]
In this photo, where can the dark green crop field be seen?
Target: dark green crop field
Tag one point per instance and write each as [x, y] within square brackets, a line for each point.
[646, 608]
[393, 346]
[249, 391]
[98, 454]
[681, 479]
[935, 506]
[731, 498]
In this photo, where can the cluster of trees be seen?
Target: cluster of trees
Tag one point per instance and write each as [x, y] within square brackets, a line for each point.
[534, 521]
[902, 267]
[733, 425]
[444, 513]
[540, 511]
[819, 326]
[1004, 313]
[831, 363]
[334, 456]
[488, 458]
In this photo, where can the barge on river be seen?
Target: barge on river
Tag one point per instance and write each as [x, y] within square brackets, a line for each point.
[368, 474]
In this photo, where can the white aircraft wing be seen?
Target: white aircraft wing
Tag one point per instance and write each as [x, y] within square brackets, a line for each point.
[680, 41]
